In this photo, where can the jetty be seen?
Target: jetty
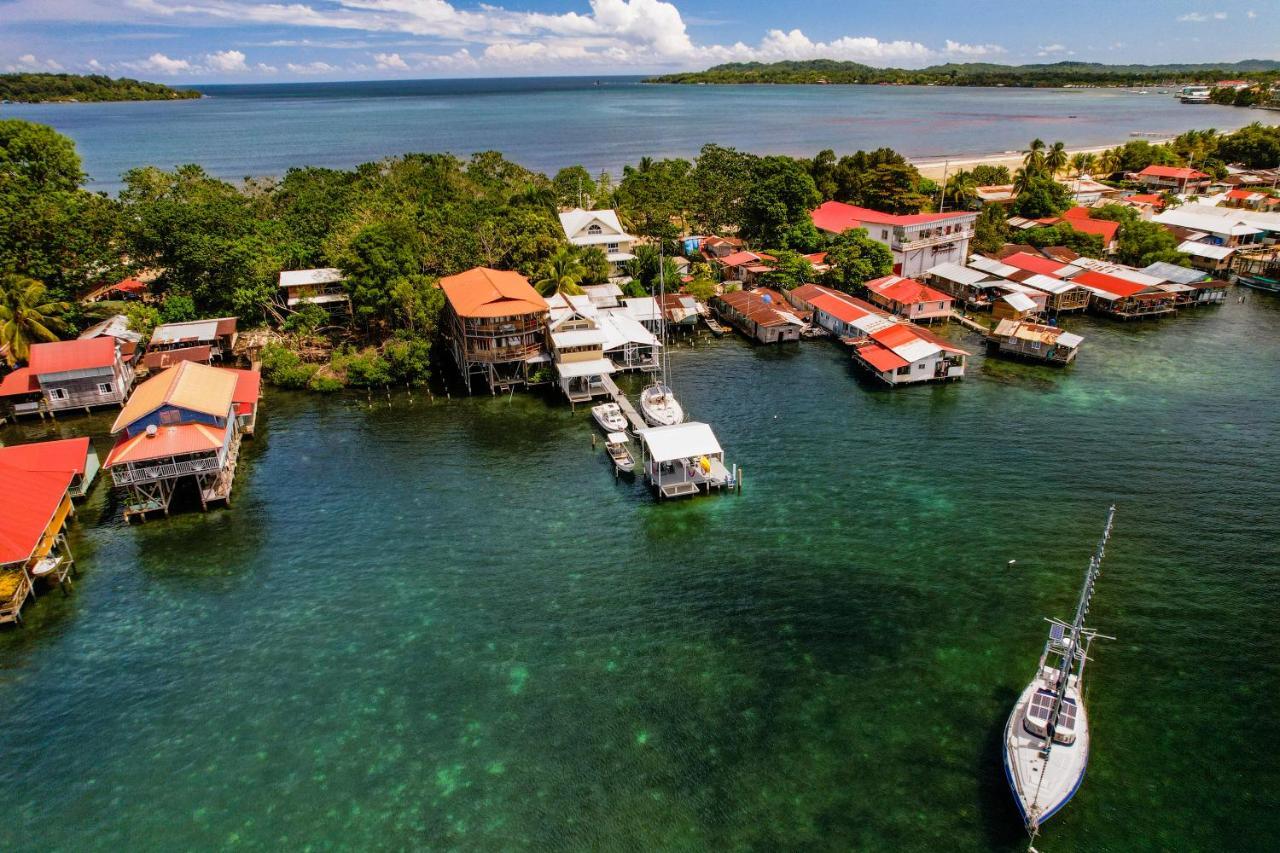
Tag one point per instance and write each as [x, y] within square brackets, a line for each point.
[628, 411]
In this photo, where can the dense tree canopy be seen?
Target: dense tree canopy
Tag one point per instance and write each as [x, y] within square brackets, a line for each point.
[856, 259]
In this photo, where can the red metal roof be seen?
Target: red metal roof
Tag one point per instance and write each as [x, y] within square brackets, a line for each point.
[906, 291]
[1033, 263]
[895, 335]
[67, 454]
[20, 381]
[880, 358]
[129, 285]
[836, 216]
[843, 310]
[1178, 172]
[1109, 283]
[248, 386]
[168, 441]
[160, 359]
[63, 356]
[763, 306]
[28, 502]
[1104, 228]
[1146, 198]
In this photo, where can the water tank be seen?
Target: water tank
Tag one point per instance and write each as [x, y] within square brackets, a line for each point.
[766, 298]
[152, 429]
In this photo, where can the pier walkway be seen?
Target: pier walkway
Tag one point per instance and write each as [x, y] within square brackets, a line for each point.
[969, 324]
[628, 410]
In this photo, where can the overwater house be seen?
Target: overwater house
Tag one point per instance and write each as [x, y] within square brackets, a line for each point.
[577, 347]
[644, 310]
[1034, 341]
[495, 324]
[683, 460]
[324, 287]
[1028, 262]
[908, 298]
[246, 398]
[34, 508]
[63, 375]
[1123, 299]
[1061, 296]
[599, 228]
[762, 315]
[680, 311]
[844, 316]
[971, 286]
[918, 241]
[1176, 179]
[1208, 257]
[1014, 306]
[180, 427]
[75, 455]
[905, 354]
[202, 341]
[628, 344]
[1200, 288]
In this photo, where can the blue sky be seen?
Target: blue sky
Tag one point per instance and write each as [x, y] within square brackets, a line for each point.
[266, 40]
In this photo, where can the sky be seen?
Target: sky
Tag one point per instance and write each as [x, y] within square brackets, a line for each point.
[211, 41]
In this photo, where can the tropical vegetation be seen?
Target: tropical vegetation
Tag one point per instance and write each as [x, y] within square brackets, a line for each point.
[31, 87]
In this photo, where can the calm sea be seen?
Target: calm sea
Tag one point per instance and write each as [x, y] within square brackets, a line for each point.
[444, 625]
[548, 123]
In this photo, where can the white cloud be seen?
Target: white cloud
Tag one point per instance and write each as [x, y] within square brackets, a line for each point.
[1201, 17]
[1251, 14]
[390, 62]
[267, 69]
[226, 62]
[955, 48]
[158, 63]
[95, 65]
[1054, 50]
[29, 62]
[312, 68]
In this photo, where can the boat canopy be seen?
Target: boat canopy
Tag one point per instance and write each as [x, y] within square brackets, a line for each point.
[617, 438]
[682, 441]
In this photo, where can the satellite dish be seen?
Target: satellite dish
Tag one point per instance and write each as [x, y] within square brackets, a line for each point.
[152, 429]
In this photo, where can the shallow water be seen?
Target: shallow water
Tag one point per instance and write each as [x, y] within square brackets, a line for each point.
[445, 624]
[549, 123]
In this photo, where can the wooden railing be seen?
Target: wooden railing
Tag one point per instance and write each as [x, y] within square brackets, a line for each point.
[131, 475]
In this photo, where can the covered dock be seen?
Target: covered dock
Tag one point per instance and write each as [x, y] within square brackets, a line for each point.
[683, 460]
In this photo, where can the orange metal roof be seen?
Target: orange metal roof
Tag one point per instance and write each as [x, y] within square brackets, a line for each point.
[1178, 172]
[906, 291]
[484, 292]
[895, 335]
[880, 358]
[168, 441]
[20, 381]
[843, 310]
[169, 357]
[248, 385]
[62, 356]
[68, 454]
[29, 501]
[190, 385]
[1110, 283]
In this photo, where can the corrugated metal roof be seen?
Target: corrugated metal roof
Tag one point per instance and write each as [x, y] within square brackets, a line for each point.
[190, 385]
[67, 454]
[682, 441]
[29, 502]
[197, 330]
[67, 356]
[168, 441]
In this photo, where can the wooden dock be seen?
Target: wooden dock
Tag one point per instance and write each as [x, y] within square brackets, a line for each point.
[969, 324]
[628, 410]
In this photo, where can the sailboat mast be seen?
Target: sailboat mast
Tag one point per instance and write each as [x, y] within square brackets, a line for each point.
[662, 310]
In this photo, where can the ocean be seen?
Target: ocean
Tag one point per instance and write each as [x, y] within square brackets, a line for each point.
[603, 124]
[443, 624]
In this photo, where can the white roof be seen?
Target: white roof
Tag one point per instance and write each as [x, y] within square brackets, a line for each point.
[598, 290]
[1048, 283]
[957, 273]
[1030, 292]
[991, 265]
[917, 349]
[682, 441]
[1219, 220]
[1069, 339]
[296, 278]
[115, 326]
[1205, 250]
[1173, 272]
[618, 438]
[1020, 301]
[621, 329]
[643, 308]
[198, 330]
[576, 222]
[1118, 270]
[872, 323]
[619, 257]
[577, 338]
[575, 369]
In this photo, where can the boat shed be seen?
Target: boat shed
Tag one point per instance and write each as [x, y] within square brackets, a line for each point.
[683, 459]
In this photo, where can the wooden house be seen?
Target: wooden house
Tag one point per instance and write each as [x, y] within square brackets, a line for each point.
[202, 341]
[79, 374]
[1014, 306]
[34, 508]
[180, 426]
[578, 347]
[762, 315]
[1034, 341]
[324, 287]
[909, 298]
[844, 316]
[1123, 299]
[495, 325]
[907, 354]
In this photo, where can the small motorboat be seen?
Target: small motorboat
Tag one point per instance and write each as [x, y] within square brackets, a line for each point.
[660, 407]
[620, 452]
[610, 417]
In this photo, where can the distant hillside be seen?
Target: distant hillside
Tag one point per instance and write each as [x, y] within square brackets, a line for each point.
[39, 88]
[976, 73]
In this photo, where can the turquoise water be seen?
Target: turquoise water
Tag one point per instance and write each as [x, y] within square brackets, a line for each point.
[549, 123]
[444, 624]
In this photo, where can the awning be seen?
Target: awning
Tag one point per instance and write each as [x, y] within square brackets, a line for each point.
[879, 358]
[1206, 250]
[578, 338]
[576, 369]
[682, 441]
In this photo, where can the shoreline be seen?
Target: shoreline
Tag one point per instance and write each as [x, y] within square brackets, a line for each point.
[934, 167]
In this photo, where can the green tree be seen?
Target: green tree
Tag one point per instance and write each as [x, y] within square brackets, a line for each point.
[1062, 234]
[991, 230]
[377, 260]
[790, 270]
[27, 316]
[721, 179]
[561, 273]
[822, 168]
[574, 187]
[1041, 196]
[1033, 157]
[595, 265]
[780, 197]
[1056, 159]
[1252, 146]
[856, 259]
[648, 267]
[991, 176]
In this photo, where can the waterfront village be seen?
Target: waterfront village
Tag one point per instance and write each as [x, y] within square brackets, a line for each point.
[188, 391]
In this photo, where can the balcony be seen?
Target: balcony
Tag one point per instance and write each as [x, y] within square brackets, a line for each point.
[133, 475]
[493, 355]
[935, 240]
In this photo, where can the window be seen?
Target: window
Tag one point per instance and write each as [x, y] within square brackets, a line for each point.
[613, 247]
[105, 388]
[903, 371]
[169, 416]
[884, 233]
[594, 229]
[1035, 345]
[921, 366]
[57, 393]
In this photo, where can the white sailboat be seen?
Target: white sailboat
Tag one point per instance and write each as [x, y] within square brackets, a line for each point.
[1046, 740]
[658, 405]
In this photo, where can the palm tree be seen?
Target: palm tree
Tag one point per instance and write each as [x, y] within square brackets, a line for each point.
[1110, 161]
[1055, 160]
[1033, 159]
[1090, 162]
[1021, 180]
[561, 273]
[27, 316]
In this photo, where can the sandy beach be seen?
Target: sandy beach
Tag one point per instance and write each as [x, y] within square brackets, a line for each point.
[934, 167]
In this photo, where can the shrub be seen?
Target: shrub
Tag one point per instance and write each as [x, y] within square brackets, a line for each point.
[283, 367]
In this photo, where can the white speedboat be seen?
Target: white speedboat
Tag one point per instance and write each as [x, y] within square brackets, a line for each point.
[660, 407]
[620, 452]
[1046, 740]
[609, 416]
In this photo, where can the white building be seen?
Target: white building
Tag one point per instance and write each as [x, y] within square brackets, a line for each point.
[918, 241]
[324, 287]
[599, 228]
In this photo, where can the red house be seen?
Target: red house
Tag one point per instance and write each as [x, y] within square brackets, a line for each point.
[908, 298]
[1177, 178]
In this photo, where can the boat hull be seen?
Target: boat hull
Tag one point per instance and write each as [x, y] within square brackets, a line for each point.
[609, 417]
[1266, 285]
[658, 407]
[1042, 788]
